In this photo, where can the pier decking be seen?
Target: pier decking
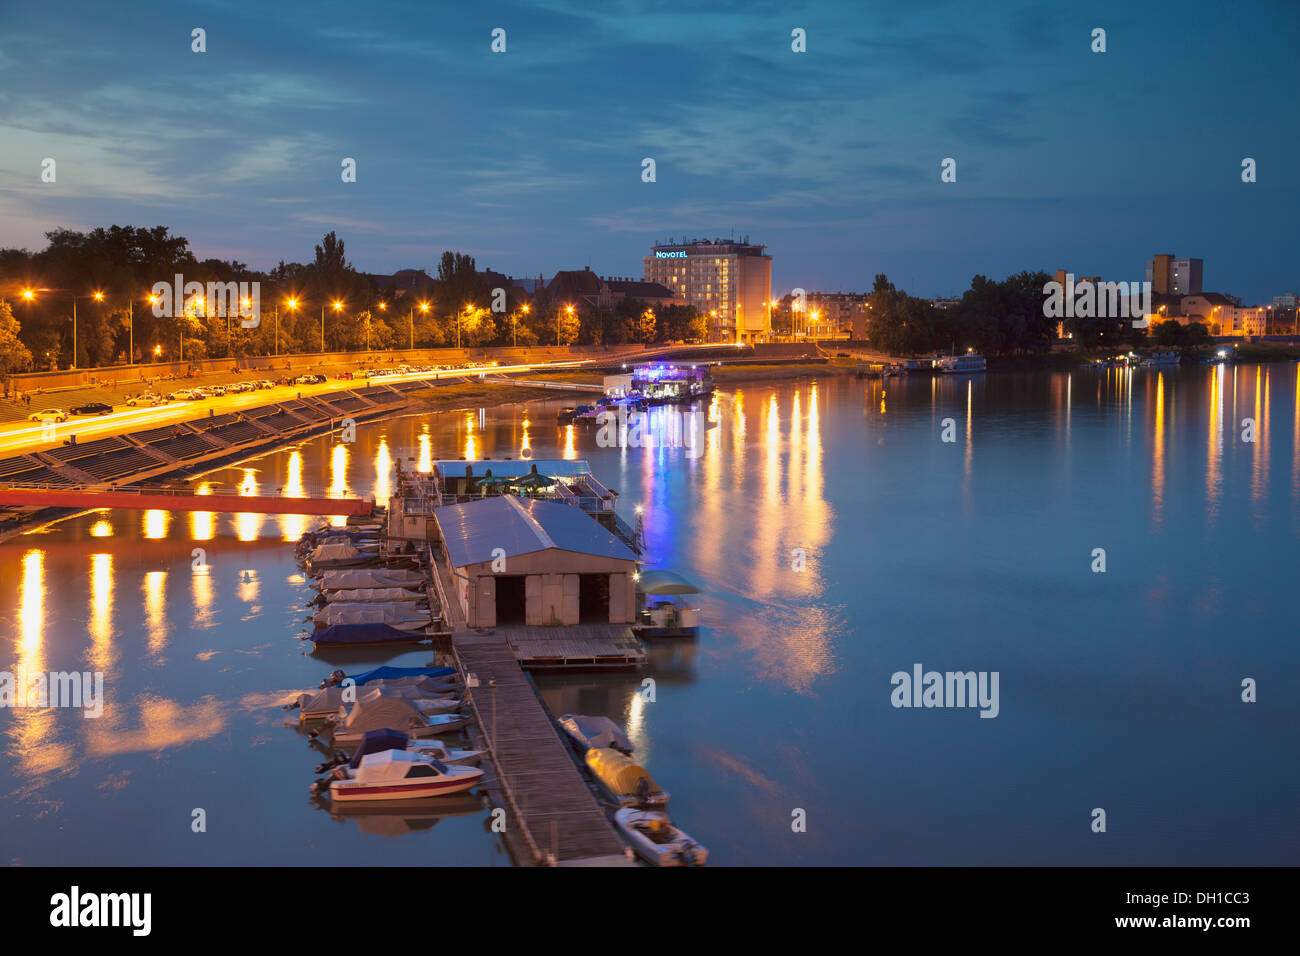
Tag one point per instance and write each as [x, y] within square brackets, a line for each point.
[552, 815]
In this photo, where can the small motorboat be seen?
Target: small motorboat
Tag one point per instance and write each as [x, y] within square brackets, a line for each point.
[402, 615]
[626, 782]
[377, 712]
[400, 775]
[657, 840]
[588, 732]
[388, 672]
[377, 741]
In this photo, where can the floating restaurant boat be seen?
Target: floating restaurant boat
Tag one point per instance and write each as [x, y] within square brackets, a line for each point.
[664, 612]
[400, 775]
[657, 840]
[664, 384]
[968, 364]
[625, 781]
[589, 732]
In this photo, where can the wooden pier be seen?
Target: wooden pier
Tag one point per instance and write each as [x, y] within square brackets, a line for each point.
[553, 817]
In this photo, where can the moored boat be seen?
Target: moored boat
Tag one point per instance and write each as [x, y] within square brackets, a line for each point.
[970, 363]
[624, 780]
[400, 775]
[657, 840]
[588, 732]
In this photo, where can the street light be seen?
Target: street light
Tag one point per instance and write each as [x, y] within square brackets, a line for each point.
[338, 307]
[514, 324]
[424, 310]
[30, 295]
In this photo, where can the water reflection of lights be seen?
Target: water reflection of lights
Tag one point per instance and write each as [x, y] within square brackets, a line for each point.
[249, 585]
[339, 479]
[636, 730]
[526, 449]
[1158, 453]
[155, 610]
[570, 451]
[425, 464]
[101, 612]
[201, 589]
[471, 446]
[202, 523]
[383, 472]
[31, 609]
[102, 528]
[247, 525]
[293, 526]
[155, 524]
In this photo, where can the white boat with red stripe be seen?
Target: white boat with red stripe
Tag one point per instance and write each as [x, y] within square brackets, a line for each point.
[401, 775]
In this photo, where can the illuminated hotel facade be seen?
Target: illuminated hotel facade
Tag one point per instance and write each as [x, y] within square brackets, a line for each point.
[728, 281]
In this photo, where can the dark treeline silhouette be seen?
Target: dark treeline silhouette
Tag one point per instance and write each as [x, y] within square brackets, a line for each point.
[324, 304]
[999, 318]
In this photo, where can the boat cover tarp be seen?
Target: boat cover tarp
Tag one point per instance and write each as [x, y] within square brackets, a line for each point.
[322, 702]
[364, 634]
[377, 741]
[356, 595]
[621, 774]
[334, 552]
[391, 673]
[596, 732]
[389, 612]
[374, 711]
[369, 578]
[665, 582]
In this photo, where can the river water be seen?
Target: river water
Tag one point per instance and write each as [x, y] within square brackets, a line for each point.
[838, 540]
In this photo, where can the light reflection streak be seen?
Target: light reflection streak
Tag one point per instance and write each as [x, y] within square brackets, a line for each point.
[202, 523]
[292, 527]
[425, 464]
[101, 612]
[1158, 453]
[155, 524]
[155, 611]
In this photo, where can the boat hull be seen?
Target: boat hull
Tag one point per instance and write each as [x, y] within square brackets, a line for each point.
[348, 791]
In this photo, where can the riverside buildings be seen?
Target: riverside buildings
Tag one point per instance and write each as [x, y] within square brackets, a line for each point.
[728, 281]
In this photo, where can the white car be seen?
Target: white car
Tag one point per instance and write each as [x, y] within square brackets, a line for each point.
[48, 415]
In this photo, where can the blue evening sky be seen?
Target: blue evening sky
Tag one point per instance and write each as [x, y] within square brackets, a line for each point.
[531, 160]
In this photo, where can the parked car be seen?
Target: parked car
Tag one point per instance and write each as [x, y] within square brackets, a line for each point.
[92, 408]
[185, 395]
[48, 415]
[264, 383]
[145, 398]
[214, 390]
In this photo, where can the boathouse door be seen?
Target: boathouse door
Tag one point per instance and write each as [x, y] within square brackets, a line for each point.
[511, 601]
[593, 599]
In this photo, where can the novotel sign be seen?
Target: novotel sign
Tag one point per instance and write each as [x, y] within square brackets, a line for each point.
[670, 255]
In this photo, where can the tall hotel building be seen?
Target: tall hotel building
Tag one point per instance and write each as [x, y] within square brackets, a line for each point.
[728, 281]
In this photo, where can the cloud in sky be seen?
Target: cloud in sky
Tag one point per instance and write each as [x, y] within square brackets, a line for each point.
[830, 157]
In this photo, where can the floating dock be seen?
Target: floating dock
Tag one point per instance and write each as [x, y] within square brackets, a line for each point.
[553, 818]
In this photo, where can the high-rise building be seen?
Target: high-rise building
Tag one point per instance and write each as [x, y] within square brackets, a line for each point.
[1171, 276]
[728, 281]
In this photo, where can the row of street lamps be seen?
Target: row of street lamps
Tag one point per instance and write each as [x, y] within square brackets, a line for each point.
[292, 303]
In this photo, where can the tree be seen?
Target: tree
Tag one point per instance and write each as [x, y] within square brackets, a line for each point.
[14, 356]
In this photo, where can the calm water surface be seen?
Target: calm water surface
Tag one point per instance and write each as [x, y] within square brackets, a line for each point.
[1119, 690]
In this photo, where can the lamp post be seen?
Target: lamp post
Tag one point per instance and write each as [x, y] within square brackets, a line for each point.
[514, 325]
[569, 311]
[30, 295]
[293, 307]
